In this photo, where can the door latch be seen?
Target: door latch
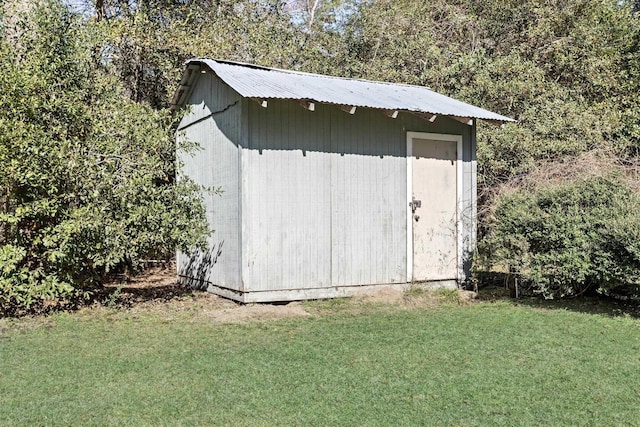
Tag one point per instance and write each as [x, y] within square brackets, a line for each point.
[415, 204]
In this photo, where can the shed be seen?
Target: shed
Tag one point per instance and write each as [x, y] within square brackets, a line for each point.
[330, 185]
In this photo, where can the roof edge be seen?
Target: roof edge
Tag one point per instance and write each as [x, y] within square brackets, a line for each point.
[194, 66]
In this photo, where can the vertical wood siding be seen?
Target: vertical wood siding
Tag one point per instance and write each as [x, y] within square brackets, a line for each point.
[326, 195]
[315, 199]
[288, 198]
[214, 122]
[368, 178]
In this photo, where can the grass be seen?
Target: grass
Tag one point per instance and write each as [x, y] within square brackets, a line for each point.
[480, 364]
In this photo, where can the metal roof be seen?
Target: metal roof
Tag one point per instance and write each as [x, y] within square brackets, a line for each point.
[263, 83]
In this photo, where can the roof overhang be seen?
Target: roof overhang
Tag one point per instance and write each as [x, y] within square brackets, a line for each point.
[262, 84]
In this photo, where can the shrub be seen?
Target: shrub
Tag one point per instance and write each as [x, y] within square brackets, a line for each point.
[566, 237]
[87, 183]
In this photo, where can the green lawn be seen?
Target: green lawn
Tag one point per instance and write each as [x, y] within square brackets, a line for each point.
[483, 364]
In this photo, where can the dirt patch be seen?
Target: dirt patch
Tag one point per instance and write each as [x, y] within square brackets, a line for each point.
[154, 284]
[244, 313]
[467, 296]
[157, 292]
[383, 296]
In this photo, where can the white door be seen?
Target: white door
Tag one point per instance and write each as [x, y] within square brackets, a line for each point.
[433, 206]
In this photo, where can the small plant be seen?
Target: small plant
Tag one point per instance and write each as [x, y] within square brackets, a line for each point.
[114, 297]
[448, 296]
[414, 291]
[331, 305]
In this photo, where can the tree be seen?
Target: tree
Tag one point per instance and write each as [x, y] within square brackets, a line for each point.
[567, 70]
[145, 43]
[87, 179]
[89, 187]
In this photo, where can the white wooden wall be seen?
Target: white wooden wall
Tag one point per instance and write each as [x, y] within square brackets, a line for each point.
[325, 195]
[312, 199]
[214, 121]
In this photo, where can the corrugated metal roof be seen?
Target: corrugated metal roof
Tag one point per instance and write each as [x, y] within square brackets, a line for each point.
[253, 81]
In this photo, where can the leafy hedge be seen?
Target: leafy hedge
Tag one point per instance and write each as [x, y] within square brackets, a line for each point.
[87, 183]
[565, 238]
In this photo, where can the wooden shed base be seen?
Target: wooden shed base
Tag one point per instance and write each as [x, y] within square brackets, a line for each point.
[311, 293]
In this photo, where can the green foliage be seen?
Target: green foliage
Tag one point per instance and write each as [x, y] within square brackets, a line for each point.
[146, 45]
[566, 237]
[569, 72]
[566, 70]
[21, 287]
[448, 296]
[88, 183]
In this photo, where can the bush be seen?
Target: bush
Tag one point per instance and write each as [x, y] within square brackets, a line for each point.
[22, 288]
[87, 184]
[564, 238]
